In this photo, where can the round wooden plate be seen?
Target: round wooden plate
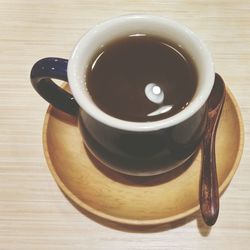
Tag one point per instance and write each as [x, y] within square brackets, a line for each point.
[135, 200]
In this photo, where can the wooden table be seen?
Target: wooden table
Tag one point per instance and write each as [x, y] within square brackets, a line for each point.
[34, 214]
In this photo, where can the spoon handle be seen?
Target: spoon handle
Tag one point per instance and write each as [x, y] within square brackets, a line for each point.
[209, 194]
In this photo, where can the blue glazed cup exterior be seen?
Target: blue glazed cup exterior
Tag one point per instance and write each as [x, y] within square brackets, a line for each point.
[133, 148]
[143, 153]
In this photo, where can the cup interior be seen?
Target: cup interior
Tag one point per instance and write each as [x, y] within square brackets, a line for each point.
[123, 26]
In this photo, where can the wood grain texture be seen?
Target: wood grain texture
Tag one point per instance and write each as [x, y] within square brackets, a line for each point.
[34, 214]
[133, 200]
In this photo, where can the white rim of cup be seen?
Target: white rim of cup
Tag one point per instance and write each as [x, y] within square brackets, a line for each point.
[109, 30]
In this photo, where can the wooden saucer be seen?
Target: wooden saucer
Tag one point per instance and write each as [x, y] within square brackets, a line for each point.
[135, 200]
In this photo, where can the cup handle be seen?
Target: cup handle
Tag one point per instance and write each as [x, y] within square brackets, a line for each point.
[40, 77]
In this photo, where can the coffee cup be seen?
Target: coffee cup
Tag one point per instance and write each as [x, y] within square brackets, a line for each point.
[140, 148]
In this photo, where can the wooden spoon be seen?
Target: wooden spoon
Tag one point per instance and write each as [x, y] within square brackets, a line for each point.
[209, 193]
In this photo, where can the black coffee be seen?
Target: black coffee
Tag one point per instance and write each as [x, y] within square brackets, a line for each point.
[141, 78]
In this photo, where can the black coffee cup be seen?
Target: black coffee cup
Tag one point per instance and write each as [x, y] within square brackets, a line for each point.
[133, 148]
